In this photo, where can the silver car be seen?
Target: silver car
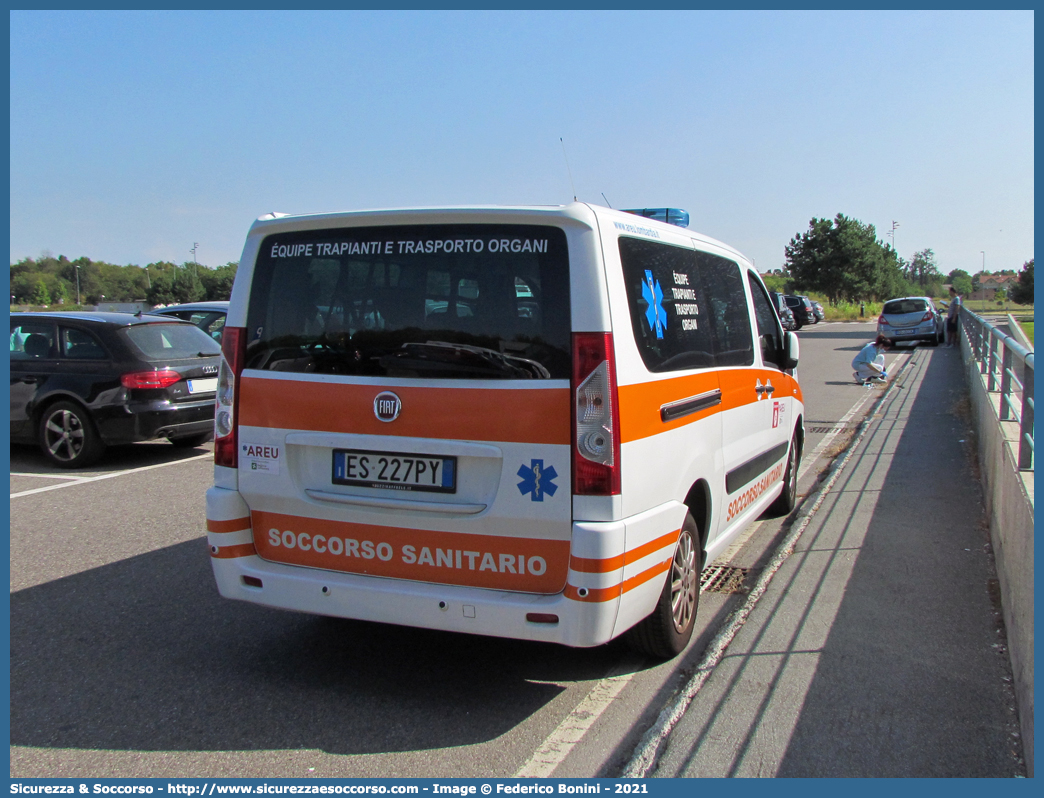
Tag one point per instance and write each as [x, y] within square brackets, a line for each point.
[911, 318]
[208, 316]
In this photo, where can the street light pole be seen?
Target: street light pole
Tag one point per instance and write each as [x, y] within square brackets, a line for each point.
[982, 291]
[77, 283]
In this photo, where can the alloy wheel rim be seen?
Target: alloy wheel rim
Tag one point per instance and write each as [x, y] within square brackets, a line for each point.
[64, 435]
[683, 583]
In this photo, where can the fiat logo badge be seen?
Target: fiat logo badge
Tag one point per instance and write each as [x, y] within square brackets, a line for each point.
[387, 406]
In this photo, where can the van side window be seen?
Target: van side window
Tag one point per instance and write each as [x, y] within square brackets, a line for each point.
[688, 308]
[770, 333]
[723, 283]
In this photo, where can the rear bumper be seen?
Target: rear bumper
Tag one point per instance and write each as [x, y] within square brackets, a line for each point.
[603, 598]
[144, 421]
[908, 335]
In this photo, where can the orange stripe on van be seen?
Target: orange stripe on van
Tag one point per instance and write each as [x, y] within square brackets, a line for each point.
[598, 594]
[235, 525]
[594, 566]
[471, 414]
[231, 552]
[525, 565]
[640, 404]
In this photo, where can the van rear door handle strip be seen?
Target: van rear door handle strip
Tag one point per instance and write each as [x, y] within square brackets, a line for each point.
[397, 504]
[694, 404]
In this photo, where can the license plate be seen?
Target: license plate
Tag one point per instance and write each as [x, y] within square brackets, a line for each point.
[395, 470]
[202, 386]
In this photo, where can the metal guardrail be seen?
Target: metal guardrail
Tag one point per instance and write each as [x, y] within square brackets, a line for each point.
[1007, 367]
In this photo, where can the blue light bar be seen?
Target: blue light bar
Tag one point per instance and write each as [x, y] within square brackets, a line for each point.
[675, 216]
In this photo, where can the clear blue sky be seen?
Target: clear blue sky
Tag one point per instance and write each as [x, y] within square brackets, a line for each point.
[134, 135]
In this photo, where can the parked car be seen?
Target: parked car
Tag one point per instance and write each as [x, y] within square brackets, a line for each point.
[818, 310]
[208, 316]
[801, 306]
[83, 381]
[912, 318]
[786, 315]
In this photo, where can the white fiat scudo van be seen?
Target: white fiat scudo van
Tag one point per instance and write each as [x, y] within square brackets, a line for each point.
[530, 422]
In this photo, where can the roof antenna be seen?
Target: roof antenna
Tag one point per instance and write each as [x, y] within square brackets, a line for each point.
[606, 199]
[568, 169]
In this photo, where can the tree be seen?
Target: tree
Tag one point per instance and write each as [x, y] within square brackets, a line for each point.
[775, 282]
[843, 259]
[174, 285]
[189, 288]
[961, 282]
[218, 282]
[41, 296]
[162, 275]
[1022, 291]
[923, 269]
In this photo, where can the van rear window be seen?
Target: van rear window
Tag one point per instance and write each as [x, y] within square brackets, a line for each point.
[431, 301]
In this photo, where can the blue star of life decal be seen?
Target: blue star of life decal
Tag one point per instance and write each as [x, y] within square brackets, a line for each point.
[537, 480]
[653, 295]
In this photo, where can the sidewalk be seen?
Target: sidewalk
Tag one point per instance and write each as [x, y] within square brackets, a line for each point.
[877, 648]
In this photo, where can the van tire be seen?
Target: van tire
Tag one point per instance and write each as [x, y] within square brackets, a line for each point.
[787, 499]
[666, 632]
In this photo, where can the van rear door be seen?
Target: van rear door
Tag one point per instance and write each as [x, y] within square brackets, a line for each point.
[404, 410]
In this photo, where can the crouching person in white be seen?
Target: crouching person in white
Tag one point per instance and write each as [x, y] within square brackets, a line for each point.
[869, 364]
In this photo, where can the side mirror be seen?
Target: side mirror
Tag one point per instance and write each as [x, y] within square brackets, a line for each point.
[790, 350]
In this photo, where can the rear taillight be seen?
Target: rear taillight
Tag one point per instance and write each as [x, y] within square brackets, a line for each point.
[882, 320]
[596, 416]
[226, 409]
[150, 379]
[927, 316]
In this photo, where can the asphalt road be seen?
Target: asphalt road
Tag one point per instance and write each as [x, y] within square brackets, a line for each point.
[126, 662]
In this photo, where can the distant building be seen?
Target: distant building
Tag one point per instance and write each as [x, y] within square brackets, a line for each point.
[989, 283]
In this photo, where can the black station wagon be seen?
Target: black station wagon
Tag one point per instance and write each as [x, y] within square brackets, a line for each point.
[83, 381]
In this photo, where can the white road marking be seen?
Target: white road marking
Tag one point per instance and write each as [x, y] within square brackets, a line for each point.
[812, 456]
[83, 480]
[571, 730]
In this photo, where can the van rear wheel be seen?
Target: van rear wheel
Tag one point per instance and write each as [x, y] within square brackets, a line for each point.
[787, 499]
[667, 631]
